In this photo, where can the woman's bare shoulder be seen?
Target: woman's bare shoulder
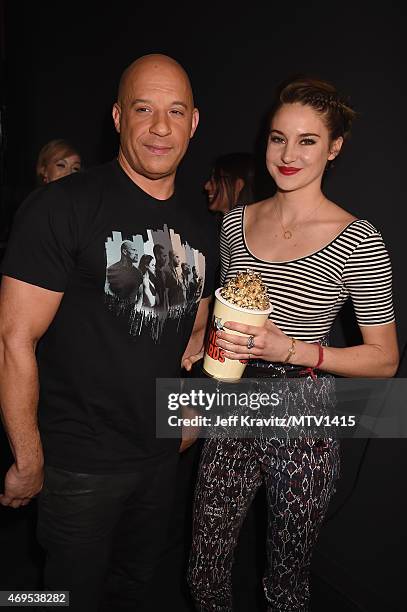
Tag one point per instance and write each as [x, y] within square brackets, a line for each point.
[253, 210]
[336, 214]
[253, 214]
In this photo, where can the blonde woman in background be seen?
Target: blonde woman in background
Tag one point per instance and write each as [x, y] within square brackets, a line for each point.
[56, 159]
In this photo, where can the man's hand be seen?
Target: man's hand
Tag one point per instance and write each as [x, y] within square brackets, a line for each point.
[26, 311]
[188, 362]
[190, 433]
[195, 347]
[193, 353]
[21, 486]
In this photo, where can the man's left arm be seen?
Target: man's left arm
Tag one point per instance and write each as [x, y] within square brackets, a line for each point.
[195, 347]
[192, 354]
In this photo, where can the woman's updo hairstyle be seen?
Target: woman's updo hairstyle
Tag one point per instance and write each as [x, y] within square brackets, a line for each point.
[323, 97]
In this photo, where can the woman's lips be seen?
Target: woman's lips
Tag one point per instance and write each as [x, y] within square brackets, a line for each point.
[288, 170]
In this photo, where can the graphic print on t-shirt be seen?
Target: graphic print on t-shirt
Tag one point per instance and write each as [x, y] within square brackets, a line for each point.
[152, 280]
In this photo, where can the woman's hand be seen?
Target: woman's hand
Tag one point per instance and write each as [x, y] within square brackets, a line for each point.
[269, 342]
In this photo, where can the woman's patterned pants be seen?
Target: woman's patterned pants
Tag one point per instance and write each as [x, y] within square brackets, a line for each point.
[299, 476]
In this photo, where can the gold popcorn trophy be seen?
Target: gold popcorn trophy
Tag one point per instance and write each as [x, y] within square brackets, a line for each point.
[243, 299]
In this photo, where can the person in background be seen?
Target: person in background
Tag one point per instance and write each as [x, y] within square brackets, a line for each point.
[148, 295]
[312, 255]
[173, 279]
[160, 263]
[231, 182]
[124, 278]
[56, 159]
[187, 285]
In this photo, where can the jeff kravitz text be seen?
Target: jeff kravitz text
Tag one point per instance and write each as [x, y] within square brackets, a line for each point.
[270, 421]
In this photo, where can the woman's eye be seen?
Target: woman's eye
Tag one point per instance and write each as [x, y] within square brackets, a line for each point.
[60, 165]
[307, 141]
[276, 139]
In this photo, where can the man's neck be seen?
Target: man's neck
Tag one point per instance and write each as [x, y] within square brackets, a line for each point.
[160, 189]
[126, 263]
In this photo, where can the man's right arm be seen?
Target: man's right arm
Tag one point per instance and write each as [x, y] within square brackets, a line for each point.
[26, 311]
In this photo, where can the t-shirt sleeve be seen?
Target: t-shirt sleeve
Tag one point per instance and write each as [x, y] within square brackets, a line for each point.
[368, 278]
[224, 253]
[42, 246]
[212, 259]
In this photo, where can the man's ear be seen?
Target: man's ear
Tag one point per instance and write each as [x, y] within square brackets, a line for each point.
[335, 147]
[195, 121]
[116, 113]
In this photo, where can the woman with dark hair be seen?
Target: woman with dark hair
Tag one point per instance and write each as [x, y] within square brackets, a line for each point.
[148, 295]
[56, 159]
[312, 255]
[231, 182]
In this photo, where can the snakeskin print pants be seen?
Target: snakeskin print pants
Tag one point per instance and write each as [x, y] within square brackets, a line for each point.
[299, 477]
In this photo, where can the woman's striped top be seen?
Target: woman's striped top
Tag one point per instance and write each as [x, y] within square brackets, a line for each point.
[307, 293]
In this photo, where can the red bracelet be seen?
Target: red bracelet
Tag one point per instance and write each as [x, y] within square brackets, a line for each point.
[309, 370]
[320, 355]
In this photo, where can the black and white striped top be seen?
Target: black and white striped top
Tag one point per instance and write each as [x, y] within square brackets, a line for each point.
[307, 293]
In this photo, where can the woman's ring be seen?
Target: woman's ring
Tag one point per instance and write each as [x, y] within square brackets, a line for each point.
[250, 342]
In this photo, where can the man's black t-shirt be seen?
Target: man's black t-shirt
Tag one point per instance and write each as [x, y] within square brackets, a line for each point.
[106, 244]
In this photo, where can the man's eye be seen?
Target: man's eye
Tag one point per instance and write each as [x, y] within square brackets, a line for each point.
[142, 109]
[60, 165]
[175, 111]
[77, 169]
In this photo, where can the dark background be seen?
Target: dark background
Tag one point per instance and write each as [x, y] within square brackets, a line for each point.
[60, 69]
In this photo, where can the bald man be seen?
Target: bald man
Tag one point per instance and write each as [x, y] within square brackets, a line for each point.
[79, 407]
[123, 277]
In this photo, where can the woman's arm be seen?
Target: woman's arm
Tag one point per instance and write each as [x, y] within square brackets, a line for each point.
[377, 357]
[148, 294]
